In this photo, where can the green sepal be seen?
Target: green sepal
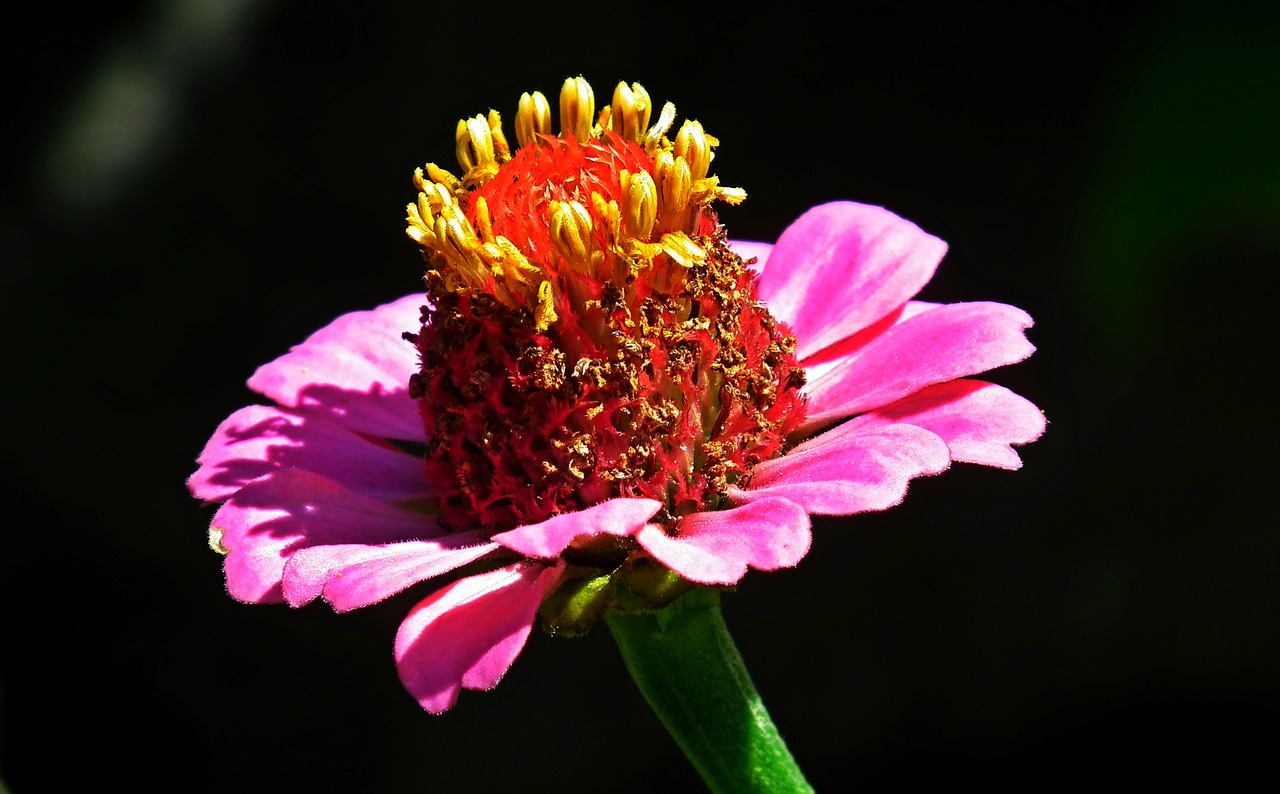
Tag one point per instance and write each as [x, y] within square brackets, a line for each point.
[577, 604]
[649, 587]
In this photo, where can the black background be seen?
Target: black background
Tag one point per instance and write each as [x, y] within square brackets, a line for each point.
[192, 187]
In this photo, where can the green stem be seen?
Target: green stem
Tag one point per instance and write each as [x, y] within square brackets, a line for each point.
[688, 668]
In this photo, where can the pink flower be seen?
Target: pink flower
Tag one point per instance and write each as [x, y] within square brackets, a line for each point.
[322, 495]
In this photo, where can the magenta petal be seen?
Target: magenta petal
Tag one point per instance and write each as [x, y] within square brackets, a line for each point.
[257, 440]
[849, 469]
[267, 521]
[622, 517]
[937, 345]
[842, 266]
[749, 251]
[351, 576]
[717, 547]
[468, 633]
[979, 421]
[355, 370]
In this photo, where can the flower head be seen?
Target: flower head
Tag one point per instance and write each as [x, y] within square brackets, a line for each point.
[599, 401]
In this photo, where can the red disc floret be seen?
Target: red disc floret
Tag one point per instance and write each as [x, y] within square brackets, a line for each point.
[671, 392]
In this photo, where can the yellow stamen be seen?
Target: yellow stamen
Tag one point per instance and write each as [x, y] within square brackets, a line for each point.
[516, 266]
[675, 183]
[682, 250]
[654, 137]
[639, 203]
[631, 109]
[545, 313]
[443, 178]
[577, 107]
[458, 242]
[646, 223]
[462, 146]
[692, 145]
[571, 233]
[484, 226]
[608, 212]
[501, 150]
[731, 195]
[475, 150]
[419, 228]
[533, 118]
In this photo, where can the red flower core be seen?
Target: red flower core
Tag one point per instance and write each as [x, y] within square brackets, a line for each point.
[589, 332]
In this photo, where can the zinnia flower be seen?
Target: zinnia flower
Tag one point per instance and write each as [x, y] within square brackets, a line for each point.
[600, 401]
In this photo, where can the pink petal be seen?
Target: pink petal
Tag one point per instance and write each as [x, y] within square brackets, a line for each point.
[258, 440]
[849, 469]
[826, 359]
[718, 546]
[622, 517]
[748, 251]
[263, 524]
[840, 267]
[979, 421]
[355, 370]
[354, 575]
[469, 633]
[938, 345]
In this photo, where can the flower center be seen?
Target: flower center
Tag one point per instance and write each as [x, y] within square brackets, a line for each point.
[589, 332]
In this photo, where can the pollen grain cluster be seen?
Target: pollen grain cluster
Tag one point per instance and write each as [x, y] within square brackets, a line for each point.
[588, 332]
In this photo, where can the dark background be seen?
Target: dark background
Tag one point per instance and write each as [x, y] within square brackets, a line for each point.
[191, 187]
